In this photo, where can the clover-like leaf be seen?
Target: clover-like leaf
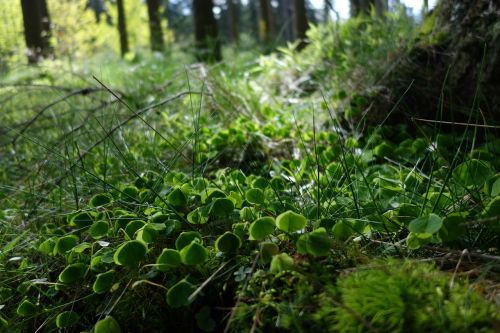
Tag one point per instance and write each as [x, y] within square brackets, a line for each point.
[73, 273]
[281, 262]
[473, 172]
[261, 228]
[426, 224]
[255, 196]
[104, 282]
[99, 229]
[291, 222]
[193, 254]
[67, 319]
[82, 220]
[168, 258]
[130, 253]
[107, 325]
[197, 216]
[133, 226]
[186, 237]
[177, 198]
[147, 234]
[228, 243]
[178, 295]
[26, 308]
[64, 244]
[221, 207]
[317, 243]
[100, 200]
[267, 251]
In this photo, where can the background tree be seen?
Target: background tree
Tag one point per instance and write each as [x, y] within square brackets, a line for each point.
[206, 34]
[122, 27]
[266, 22]
[36, 29]
[233, 7]
[359, 7]
[155, 30]
[300, 22]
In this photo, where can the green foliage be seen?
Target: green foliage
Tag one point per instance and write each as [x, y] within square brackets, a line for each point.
[407, 298]
[107, 325]
[291, 222]
[262, 227]
[130, 253]
[67, 319]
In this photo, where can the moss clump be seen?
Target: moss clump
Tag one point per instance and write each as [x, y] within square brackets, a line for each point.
[410, 297]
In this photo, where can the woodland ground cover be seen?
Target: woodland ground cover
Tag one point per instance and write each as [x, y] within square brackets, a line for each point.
[150, 194]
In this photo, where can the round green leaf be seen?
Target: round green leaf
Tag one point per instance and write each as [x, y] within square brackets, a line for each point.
[99, 229]
[133, 226]
[130, 253]
[281, 262]
[178, 294]
[255, 196]
[67, 319]
[204, 321]
[147, 234]
[316, 243]
[426, 224]
[267, 251]
[472, 173]
[221, 207]
[167, 259]
[197, 216]
[129, 193]
[493, 208]
[107, 325]
[261, 228]
[186, 237]
[26, 308]
[100, 200]
[228, 243]
[82, 220]
[453, 227]
[73, 273]
[291, 222]
[47, 246]
[104, 282]
[177, 198]
[193, 254]
[64, 244]
[343, 229]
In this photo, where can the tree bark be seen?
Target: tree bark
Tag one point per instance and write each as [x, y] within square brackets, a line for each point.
[36, 22]
[361, 7]
[300, 23]
[122, 27]
[232, 9]
[453, 72]
[155, 31]
[207, 41]
[266, 22]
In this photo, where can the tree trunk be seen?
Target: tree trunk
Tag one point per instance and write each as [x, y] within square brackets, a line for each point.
[327, 6]
[122, 27]
[381, 7]
[36, 29]
[266, 22]
[361, 7]
[286, 19]
[232, 9]
[155, 31]
[300, 22]
[206, 33]
[452, 74]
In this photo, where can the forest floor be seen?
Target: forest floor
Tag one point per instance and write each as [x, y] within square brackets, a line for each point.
[152, 195]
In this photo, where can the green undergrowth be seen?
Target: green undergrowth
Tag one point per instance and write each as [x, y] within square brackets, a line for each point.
[161, 196]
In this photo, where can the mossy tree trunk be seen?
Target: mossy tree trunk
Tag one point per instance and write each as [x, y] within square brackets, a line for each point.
[233, 11]
[266, 22]
[452, 74]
